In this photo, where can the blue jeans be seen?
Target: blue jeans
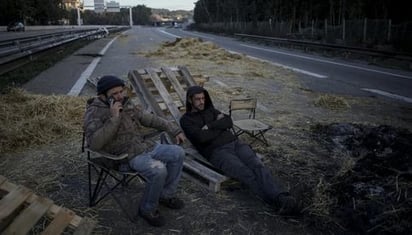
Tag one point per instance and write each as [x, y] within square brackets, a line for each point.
[239, 161]
[162, 168]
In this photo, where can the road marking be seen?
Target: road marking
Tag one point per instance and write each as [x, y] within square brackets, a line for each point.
[329, 62]
[285, 66]
[78, 86]
[170, 34]
[390, 95]
[291, 68]
[199, 35]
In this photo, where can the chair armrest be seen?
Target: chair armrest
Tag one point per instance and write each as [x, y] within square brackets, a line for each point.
[108, 155]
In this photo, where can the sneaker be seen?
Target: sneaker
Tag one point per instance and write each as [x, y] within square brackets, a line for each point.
[286, 204]
[172, 203]
[153, 218]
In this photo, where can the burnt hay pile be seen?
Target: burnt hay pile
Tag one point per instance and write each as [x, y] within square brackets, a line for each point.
[29, 120]
[374, 195]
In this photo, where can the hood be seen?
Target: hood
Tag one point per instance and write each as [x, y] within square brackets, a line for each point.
[191, 91]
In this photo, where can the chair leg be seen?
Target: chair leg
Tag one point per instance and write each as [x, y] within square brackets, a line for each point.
[258, 136]
[95, 192]
[261, 137]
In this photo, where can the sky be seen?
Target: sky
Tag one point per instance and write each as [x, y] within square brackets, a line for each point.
[166, 4]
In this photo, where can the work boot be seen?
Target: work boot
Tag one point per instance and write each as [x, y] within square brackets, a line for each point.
[153, 218]
[286, 204]
[172, 203]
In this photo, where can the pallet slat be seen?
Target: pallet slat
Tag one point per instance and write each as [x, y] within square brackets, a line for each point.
[35, 206]
[60, 222]
[165, 95]
[29, 217]
[145, 96]
[187, 76]
[213, 178]
[176, 85]
[12, 201]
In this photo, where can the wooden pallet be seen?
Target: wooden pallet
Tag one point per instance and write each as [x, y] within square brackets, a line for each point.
[163, 92]
[21, 210]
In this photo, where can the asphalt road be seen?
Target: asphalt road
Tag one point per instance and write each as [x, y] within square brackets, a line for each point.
[332, 75]
[322, 73]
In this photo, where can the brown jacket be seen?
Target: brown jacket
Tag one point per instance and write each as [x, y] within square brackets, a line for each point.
[123, 134]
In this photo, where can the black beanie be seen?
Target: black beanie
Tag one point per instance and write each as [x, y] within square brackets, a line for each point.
[107, 82]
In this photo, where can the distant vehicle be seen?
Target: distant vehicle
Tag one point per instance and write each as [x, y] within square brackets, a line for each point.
[16, 26]
[177, 25]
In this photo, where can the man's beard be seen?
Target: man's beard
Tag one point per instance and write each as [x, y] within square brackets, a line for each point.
[197, 109]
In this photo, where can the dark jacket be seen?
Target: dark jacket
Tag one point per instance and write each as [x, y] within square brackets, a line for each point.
[218, 132]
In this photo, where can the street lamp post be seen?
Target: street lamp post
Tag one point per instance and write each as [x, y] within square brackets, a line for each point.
[130, 16]
[79, 22]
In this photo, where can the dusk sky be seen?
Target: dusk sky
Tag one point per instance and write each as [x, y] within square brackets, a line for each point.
[167, 4]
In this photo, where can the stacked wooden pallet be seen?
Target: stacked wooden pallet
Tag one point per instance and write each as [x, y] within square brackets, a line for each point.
[22, 211]
[163, 92]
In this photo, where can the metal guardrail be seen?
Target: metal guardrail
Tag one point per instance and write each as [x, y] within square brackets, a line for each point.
[359, 50]
[14, 49]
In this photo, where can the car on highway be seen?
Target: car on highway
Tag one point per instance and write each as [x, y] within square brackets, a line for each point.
[16, 26]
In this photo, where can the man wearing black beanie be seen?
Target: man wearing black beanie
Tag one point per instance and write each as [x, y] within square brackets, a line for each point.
[114, 125]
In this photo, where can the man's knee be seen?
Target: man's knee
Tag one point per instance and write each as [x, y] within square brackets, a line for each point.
[158, 170]
[178, 152]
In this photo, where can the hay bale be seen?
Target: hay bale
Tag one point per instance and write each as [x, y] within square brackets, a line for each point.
[31, 120]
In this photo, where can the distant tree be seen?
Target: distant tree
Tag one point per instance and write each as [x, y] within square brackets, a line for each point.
[208, 11]
[141, 15]
[31, 11]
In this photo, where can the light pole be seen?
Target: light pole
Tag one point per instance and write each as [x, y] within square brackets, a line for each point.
[79, 22]
[130, 16]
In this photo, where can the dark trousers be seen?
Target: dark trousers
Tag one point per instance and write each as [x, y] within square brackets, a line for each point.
[237, 160]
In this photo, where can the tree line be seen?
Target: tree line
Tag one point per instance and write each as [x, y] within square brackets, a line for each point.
[52, 12]
[211, 11]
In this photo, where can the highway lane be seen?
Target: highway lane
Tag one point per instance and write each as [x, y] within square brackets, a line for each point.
[320, 73]
[123, 54]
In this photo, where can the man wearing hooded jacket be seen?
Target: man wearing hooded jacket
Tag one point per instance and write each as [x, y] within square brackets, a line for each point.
[114, 125]
[209, 130]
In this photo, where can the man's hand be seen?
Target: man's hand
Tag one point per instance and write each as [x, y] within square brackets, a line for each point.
[180, 138]
[220, 116]
[205, 127]
[115, 108]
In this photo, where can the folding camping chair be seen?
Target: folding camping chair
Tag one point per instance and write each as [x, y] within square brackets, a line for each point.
[248, 125]
[105, 167]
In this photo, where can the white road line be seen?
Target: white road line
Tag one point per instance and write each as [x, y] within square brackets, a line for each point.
[390, 95]
[199, 35]
[285, 66]
[170, 34]
[329, 62]
[78, 86]
[291, 68]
